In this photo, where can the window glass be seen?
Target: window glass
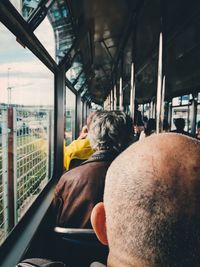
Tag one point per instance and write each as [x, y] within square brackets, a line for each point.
[181, 108]
[176, 101]
[59, 17]
[45, 34]
[180, 112]
[70, 116]
[185, 99]
[26, 128]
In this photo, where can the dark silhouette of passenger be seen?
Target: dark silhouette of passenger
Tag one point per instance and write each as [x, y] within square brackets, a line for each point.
[150, 215]
[180, 125]
[137, 120]
[151, 127]
[81, 188]
[138, 129]
[165, 126]
[145, 120]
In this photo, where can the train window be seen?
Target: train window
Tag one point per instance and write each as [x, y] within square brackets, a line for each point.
[58, 19]
[70, 116]
[181, 108]
[36, 12]
[185, 99]
[176, 101]
[45, 34]
[26, 129]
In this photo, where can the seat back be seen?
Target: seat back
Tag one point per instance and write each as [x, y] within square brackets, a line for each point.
[79, 247]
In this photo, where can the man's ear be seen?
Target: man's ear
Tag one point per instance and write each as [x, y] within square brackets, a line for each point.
[98, 220]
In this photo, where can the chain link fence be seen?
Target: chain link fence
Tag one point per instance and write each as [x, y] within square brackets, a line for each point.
[25, 160]
[31, 156]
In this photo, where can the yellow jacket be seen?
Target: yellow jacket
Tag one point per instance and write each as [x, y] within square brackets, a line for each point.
[78, 149]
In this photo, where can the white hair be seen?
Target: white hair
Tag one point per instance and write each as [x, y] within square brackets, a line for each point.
[110, 130]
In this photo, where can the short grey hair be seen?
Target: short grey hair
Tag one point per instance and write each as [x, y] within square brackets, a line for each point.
[110, 130]
[152, 202]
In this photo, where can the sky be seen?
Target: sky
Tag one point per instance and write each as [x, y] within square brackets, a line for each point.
[31, 82]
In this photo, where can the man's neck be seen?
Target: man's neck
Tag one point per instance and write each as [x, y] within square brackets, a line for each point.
[124, 262]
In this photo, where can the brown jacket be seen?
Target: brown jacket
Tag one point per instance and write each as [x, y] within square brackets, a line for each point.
[79, 190]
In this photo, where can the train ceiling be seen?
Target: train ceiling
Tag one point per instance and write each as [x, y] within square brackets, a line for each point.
[116, 27]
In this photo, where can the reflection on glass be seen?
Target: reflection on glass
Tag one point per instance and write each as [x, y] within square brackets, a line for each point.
[25, 7]
[80, 82]
[26, 128]
[73, 73]
[60, 19]
[70, 116]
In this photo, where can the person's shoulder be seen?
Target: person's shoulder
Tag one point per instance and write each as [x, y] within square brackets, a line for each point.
[68, 179]
[92, 164]
[86, 168]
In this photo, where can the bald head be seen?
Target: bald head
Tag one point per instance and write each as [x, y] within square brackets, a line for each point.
[152, 202]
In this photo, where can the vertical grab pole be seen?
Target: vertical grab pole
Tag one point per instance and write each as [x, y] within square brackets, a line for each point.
[115, 96]
[111, 99]
[162, 103]
[161, 70]
[159, 84]
[194, 114]
[132, 93]
[133, 72]
[120, 94]
[121, 85]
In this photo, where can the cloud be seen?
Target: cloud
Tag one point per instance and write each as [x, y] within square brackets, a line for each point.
[31, 81]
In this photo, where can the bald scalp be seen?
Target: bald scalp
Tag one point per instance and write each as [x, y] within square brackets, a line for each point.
[152, 201]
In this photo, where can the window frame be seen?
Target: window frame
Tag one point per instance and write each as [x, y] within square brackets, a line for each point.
[15, 245]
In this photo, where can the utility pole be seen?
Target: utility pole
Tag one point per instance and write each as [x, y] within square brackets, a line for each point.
[9, 88]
